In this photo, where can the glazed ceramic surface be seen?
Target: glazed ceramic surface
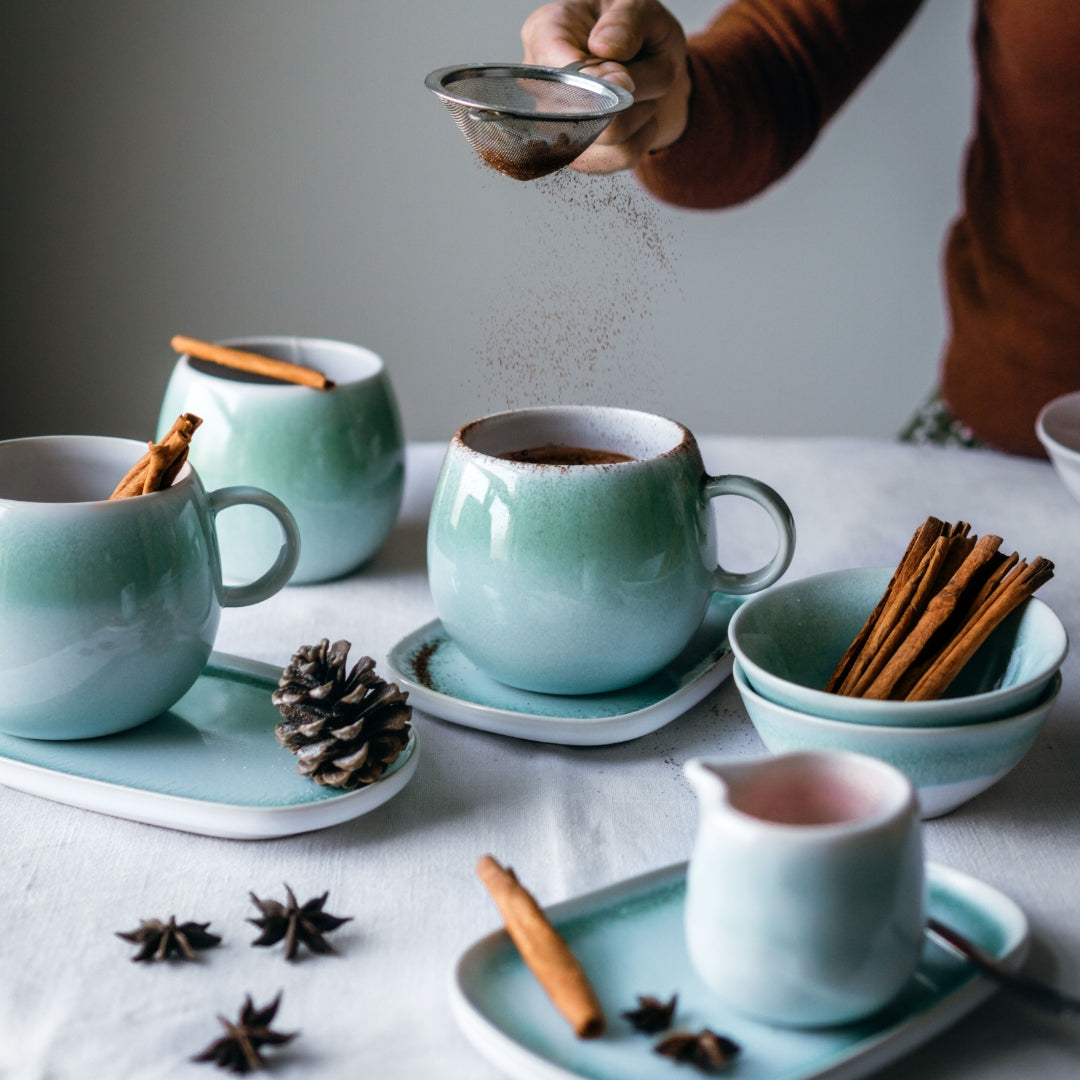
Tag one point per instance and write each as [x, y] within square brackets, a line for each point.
[580, 579]
[629, 937]
[804, 903]
[110, 607]
[444, 682]
[789, 639]
[1058, 429]
[334, 457]
[210, 765]
[947, 765]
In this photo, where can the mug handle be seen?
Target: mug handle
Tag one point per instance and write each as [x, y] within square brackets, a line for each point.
[740, 584]
[278, 575]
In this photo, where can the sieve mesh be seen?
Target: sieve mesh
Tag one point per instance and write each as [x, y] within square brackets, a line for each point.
[527, 121]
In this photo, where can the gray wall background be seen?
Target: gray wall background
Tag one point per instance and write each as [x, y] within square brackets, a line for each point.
[227, 167]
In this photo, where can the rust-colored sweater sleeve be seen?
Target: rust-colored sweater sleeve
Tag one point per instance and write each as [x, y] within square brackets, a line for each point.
[767, 75]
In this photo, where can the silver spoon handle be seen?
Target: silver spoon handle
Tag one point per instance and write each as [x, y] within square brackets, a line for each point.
[1036, 993]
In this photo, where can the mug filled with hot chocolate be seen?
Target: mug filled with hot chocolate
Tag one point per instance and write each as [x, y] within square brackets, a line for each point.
[572, 549]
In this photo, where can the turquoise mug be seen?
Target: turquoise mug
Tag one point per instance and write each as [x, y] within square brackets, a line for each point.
[110, 607]
[572, 549]
[805, 900]
[335, 457]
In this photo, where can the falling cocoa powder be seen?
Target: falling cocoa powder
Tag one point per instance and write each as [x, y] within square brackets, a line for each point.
[574, 323]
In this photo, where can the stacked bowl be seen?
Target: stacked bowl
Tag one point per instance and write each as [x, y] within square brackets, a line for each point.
[788, 639]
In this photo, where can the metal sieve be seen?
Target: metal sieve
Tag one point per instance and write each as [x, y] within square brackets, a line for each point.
[525, 120]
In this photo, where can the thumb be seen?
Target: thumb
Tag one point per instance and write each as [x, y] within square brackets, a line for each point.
[619, 34]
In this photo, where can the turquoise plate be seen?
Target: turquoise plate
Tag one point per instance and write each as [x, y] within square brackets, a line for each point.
[629, 939]
[210, 765]
[444, 683]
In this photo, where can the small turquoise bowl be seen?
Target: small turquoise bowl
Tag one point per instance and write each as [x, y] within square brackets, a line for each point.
[947, 765]
[789, 640]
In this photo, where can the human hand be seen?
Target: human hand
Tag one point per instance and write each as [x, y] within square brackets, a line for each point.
[644, 50]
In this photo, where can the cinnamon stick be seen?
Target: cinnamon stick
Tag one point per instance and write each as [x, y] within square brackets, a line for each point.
[899, 616]
[157, 468]
[1012, 591]
[917, 548]
[543, 950]
[252, 363]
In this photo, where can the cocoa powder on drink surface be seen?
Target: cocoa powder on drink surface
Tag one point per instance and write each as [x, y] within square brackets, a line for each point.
[564, 454]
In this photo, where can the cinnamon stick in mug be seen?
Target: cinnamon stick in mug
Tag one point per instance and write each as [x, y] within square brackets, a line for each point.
[253, 363]
[543, 950]
[157, 468]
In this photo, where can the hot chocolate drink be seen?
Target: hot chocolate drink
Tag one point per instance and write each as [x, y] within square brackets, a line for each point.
[562, 454]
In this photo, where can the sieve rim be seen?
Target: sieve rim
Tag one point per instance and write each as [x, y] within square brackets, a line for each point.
[436, 80]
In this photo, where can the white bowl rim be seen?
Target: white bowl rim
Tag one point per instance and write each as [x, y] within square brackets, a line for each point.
[1042, 430]
[872, 706]
[898, 731]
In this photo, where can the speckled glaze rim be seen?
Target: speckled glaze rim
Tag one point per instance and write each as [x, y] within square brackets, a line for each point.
[681, 444]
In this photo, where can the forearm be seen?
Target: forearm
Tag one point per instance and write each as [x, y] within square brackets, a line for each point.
[767, 76]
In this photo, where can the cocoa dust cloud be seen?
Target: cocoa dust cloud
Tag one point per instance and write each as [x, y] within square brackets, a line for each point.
[573, 322]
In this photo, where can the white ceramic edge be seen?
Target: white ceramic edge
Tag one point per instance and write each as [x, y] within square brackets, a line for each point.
[563, 730]
[863, 710]
[1050, 444]
[228, 821]
[505, 1053]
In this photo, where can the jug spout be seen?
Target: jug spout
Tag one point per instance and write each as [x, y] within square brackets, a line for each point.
[711, 779]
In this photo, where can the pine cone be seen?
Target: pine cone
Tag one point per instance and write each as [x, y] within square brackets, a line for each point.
[345, 731]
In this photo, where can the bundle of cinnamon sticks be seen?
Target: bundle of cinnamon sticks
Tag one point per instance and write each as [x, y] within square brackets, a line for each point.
[948, 594]
[157, 468]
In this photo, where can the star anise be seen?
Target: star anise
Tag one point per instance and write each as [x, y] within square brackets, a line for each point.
[704, 1049]
[295, 924]
[652, 1015]
[238, 1049]
[159, 941]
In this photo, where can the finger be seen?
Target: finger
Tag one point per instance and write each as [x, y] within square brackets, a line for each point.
[612, 72]
[558, 34]
[628, 27]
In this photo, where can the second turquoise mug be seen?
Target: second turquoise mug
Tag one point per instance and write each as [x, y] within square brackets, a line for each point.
[582, 578]
[336, 457]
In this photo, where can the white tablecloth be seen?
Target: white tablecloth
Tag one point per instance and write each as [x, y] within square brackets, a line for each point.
[72, 1005]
